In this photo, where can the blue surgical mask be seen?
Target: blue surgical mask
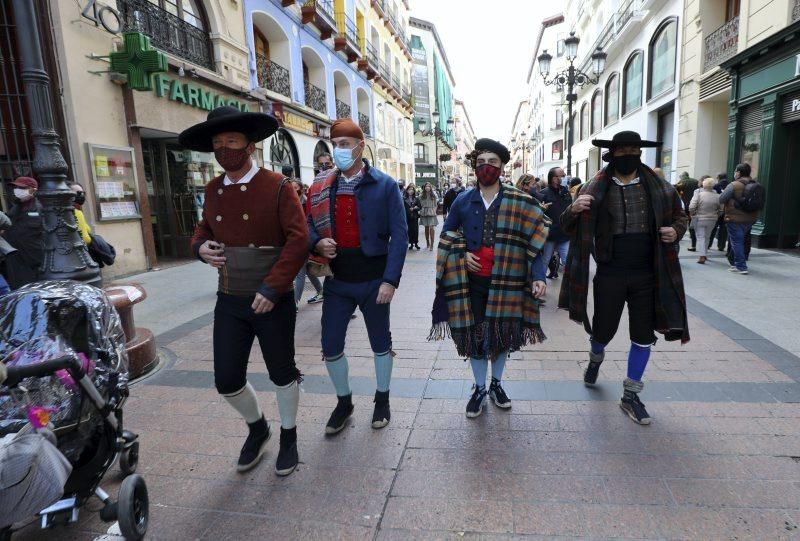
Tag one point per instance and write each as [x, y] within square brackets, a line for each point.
[343, 158]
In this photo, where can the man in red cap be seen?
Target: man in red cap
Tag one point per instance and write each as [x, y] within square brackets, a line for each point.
[25, 234]
[357, 221]
[253, 230]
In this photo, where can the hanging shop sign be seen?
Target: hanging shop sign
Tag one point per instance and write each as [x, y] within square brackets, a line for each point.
[293, 121]
[193, 95]
[138, 60]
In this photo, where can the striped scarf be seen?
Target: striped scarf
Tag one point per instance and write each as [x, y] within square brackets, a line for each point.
[512, 312]
[319, 196]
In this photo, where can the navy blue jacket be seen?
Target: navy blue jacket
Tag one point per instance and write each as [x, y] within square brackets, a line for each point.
[381, 220]
[559, 200]
[467, 214]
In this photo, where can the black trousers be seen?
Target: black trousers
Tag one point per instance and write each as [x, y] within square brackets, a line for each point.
[478, 298]
[613, 289]
[235, 328]
[721, 233]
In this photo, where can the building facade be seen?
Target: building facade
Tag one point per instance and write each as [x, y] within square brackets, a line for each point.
[639, 88]
[432, 89]
[465, 143]
[741, 102]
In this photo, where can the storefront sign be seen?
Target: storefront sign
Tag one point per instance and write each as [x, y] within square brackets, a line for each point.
[293, 121]
[419, 84]
[193, 95]
[790, 112]
[797, 66]
[138, 60]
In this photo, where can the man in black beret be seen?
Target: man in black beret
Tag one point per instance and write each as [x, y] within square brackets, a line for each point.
[630, 220]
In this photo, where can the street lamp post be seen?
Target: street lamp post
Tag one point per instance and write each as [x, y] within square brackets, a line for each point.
[65, 254]
[436, 132]
[571, 77]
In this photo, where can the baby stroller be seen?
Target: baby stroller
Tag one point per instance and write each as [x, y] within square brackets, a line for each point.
[63, 384]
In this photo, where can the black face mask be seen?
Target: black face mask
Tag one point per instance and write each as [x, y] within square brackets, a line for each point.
[80, 198]
[626, 164]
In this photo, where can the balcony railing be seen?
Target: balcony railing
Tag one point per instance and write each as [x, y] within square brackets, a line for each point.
[796, 11]
[363, 123]
[372, 55]
[610, 31]
[348, 27]
[315, 98]
[722, 44]
[342, 109]
[396, 84]
[167, 32]
[272, 76]
[385, 73]
[321, 13]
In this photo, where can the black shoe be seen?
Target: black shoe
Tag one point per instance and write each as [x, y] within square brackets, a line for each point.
[410, 246]
[591, 372]
[631, 405]
[341, 413]
[287, 455]
[254, 446]
[417, 247]
[382, 415]
[496, 393]
[552, 276]
[692, 249]
[476, 402]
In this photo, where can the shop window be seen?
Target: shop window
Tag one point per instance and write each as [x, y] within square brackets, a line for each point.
[666, 127]
[419, 152]
[558, 149]
[632, 83]
[612, 99]
[597, 111]
[751, 150]
[663, 48]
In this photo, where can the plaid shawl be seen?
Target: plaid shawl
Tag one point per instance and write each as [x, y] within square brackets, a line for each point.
[319, 196]
[666, 210]
[512, 313]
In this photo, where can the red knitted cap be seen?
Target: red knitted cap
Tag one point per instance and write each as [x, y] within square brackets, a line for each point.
[344, 127]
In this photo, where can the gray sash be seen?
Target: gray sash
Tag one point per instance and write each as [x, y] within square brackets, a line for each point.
[245, 269]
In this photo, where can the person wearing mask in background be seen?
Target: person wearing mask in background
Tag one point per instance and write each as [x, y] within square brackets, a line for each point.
[401, 185]
[704, 210]
[413, 206]
[450, 195]
[253, 231]
[490, 274]
[555, 199]
[575, 184]
[686, 187]
[471, 184]
[630, 221]
[524, 182]
[720, 231]
[300, 280]
[80, 218]
[26, 233]
[738, 221]
[428, 219]
[357, 222]
[323, 163]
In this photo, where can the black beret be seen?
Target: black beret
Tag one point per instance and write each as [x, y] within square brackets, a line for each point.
[490, 145]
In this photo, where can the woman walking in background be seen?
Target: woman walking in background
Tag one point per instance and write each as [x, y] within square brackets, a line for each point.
[427, 214]
[704, 210]
[413, 207]
[300, 279]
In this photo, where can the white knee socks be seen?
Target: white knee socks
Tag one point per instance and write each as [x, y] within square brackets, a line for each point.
[245, 402]
[288, 397]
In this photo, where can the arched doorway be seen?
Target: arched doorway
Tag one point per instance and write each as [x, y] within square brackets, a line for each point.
[320, 148]
[283, 151]
[369, 155]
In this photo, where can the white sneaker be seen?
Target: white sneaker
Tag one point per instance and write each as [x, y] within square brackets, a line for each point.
[737, 271]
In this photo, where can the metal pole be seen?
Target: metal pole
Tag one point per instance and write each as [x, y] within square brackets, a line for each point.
[436, 150]
[570, 98]
[65, 254]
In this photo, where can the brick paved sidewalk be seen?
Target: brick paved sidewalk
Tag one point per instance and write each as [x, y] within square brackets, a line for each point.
[720, 461]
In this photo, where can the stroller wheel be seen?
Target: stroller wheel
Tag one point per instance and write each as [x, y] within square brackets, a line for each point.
[133, 508]
[129, 459]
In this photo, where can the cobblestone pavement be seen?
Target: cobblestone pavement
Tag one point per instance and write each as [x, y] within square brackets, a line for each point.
[720, 461]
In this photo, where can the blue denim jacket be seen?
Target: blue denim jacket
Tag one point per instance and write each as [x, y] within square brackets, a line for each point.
[381, 220]
[467, 214]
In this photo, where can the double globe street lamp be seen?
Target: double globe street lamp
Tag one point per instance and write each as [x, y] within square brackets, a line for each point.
[524, 144]
[571, 77]
[436, 132]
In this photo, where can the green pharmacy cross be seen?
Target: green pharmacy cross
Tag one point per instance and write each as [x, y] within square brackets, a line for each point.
[138, 59]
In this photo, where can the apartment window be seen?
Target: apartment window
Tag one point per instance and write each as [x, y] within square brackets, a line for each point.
[584, 121]
[632, 83]
[597, 111]
[612, 99]
[663, 49]
[558, 149]
[419, 152]
[732, 9]
[560, 48]
[559, 119]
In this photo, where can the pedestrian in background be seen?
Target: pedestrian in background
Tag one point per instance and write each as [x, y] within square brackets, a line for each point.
[413, 206]
[575, 184]
[300, 279]
[704, 210]
[720, 231]
[524, 182]
[686, 187]
[555, 200]
[427, 214]
[26, 234]
[80, 218]
[450, 195]
[738, 221]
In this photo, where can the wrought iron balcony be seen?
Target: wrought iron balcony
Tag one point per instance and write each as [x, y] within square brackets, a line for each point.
[320, 12]
[370, 61]
[342, 109]
[316, 99]
[379, 7]
[385, 73]
[722, 44]
[347, 39]
[363, 123]
[610, 31]
[167, 32]
[796, 11]
[273, 76]
[396, 85]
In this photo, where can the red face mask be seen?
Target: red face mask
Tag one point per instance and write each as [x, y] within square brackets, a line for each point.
[487, 174]
[231, 159]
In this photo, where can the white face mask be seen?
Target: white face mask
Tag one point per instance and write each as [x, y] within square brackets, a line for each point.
[22, 194]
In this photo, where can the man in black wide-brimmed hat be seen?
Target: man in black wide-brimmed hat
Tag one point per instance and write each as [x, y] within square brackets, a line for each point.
[630, 220]
[253, 231]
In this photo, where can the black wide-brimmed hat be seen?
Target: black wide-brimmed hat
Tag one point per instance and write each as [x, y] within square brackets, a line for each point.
[256, 126]
[625, 139]
[489, 145]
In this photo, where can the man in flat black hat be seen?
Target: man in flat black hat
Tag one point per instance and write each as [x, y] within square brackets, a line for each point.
[253, 231]
[630, 220]
[490, 275]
